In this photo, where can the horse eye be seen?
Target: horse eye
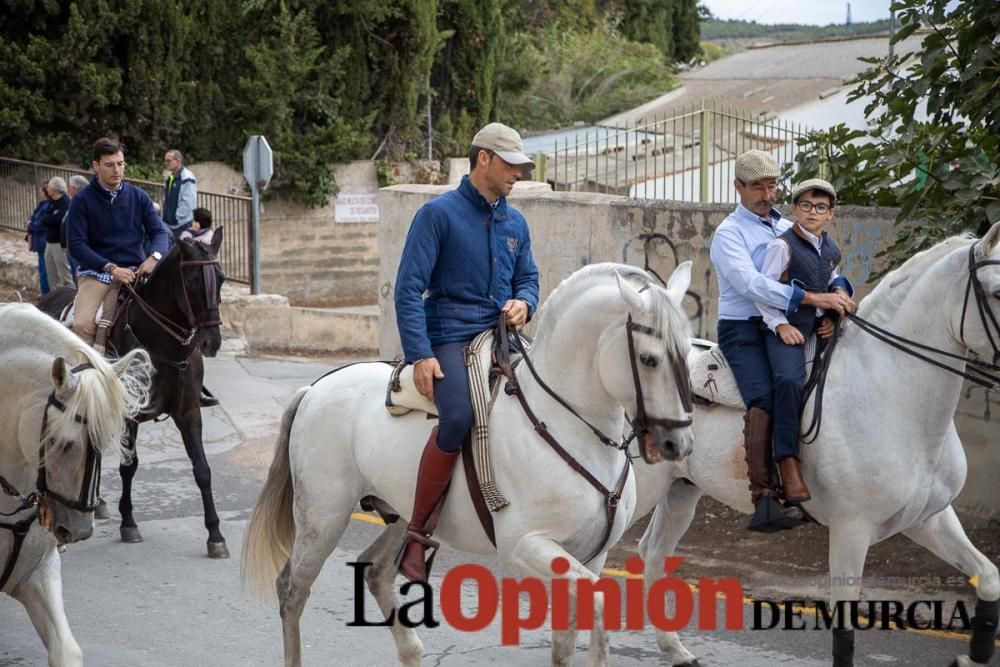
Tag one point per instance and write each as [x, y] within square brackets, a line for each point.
[649, 360]
[68, 445]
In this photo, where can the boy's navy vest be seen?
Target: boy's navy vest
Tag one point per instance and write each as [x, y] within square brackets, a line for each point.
[811, 271]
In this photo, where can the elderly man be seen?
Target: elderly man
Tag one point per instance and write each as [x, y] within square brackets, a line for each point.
[738, 250]
[76, 184]
[180, 193]
[56, 264]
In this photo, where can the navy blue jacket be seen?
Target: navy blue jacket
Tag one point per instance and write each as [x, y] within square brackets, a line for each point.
[470, 258]
[100, 231]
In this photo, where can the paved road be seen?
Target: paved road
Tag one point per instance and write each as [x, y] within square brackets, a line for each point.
[163, 602]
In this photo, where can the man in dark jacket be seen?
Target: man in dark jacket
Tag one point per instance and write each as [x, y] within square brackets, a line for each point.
[56, 265]
[107, 223]
[471, 253]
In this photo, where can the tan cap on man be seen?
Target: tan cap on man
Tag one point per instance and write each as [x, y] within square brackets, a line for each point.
[755, 165]
[504, 141]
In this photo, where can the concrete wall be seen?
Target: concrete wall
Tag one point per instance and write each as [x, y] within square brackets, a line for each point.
[570, 230]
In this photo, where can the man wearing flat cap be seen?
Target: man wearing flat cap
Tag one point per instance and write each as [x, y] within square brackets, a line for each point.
[738, 250]
[469, 251]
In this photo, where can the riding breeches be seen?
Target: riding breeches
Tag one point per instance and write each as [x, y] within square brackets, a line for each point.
[451, 395]
[90, 294]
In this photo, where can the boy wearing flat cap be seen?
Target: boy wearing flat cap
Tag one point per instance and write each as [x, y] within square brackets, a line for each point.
[804, 256]
[738, 252]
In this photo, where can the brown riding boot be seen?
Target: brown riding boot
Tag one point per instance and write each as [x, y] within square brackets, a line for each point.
[757, 442]
[432, 482]
[109, 307]
[792, 482]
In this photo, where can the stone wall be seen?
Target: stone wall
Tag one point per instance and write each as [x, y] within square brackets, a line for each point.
[570, 230]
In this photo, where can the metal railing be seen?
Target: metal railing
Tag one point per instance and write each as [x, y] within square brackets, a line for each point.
[689, 156]
[20, 190]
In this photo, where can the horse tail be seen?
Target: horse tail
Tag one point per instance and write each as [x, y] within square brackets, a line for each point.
[267, 542]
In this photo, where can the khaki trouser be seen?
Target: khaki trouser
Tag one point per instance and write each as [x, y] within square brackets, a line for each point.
[57, 266]
[90, 294]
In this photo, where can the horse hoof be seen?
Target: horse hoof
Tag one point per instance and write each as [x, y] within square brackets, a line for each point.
[131, 535]
[101, 511]
[690, 663]
[218, 550]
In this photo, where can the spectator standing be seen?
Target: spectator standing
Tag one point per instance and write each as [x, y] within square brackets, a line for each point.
[36, 237]
[76, 183]
[56, 266]
[180, 193]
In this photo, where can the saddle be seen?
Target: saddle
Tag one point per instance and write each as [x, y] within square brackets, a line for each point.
[712, 380]
[402, 397]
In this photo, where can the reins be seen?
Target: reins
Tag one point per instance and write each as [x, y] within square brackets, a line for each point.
[977, 372]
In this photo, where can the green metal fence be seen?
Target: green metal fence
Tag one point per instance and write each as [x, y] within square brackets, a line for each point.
[688, 156]
[20, 190]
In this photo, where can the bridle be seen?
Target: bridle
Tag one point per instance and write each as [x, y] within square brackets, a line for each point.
[977, 372]
[210, 285]
[986, 316]
[640, 424]
[87, 499]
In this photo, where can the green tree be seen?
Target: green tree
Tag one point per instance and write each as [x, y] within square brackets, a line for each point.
[650, 21]
[686, 30]
[941, 170]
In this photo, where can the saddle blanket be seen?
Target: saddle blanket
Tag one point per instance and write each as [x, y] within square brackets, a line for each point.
[712, 379]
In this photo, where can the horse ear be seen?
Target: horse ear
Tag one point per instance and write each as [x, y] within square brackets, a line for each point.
[63, 380]
[630, 294]
[679, 281]
[217, 241]
[991, 240]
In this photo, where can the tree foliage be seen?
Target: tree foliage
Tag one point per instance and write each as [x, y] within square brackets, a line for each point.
[325, 80]
[933, 146]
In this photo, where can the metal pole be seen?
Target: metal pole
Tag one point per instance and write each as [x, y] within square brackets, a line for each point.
[255, 241]
[704, 157]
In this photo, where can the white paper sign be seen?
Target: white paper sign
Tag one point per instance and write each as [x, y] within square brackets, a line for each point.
[356, 203]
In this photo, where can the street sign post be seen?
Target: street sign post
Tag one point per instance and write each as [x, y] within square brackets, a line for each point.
[258, 167]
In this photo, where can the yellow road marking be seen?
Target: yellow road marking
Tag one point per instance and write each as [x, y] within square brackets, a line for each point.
[808, 610]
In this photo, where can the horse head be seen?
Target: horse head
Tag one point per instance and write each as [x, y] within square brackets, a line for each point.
[83, 418]
[652, 381]
[201, 290]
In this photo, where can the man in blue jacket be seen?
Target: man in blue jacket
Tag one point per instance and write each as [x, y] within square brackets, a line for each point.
[106, 225]
[471, 253]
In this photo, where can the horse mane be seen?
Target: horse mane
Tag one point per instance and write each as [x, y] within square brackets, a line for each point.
[890, 292]
[102, 397]
[666, 316]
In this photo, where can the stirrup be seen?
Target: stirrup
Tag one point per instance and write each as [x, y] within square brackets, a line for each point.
[427, 542]
[769, 516]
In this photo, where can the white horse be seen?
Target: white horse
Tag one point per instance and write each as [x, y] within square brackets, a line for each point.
[55, 421]
[888, 459]
[338, 445]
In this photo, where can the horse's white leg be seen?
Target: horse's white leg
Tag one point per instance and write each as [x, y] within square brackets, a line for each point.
[532, 555]
[317, 530]
[671, 519]
[381, 580]
[942, 534]
[849, 543]
[41, 595]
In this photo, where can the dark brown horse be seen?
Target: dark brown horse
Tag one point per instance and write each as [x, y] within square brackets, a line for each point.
[174, 316]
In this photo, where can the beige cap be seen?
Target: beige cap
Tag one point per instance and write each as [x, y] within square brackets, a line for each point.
[755, 165]
[815, 184]
[504, 141]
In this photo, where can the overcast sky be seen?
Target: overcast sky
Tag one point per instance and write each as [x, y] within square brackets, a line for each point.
[821, 12]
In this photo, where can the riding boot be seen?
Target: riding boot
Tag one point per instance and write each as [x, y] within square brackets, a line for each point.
[432, 482]
[207, 399]
[768, 515]
[108, 308]
[792, 482]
